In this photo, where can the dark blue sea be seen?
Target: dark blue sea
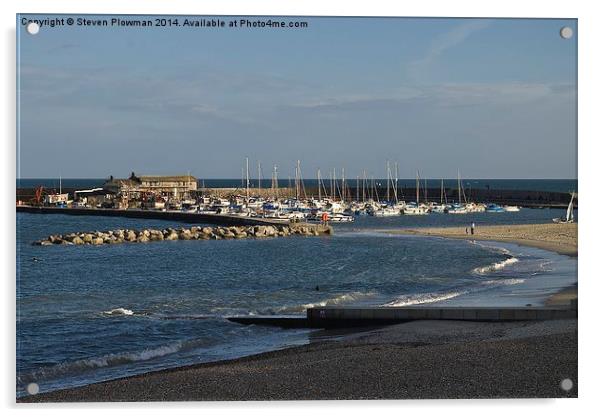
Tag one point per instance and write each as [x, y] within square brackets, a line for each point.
[87, 314]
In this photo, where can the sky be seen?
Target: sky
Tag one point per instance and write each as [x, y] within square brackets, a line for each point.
[494, 98]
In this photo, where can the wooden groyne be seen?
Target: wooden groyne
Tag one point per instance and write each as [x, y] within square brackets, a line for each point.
[346, 317]
[178, 216]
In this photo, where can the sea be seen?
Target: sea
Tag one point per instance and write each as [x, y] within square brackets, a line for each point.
[88, 314]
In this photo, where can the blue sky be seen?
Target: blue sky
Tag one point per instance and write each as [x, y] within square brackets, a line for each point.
[495, 98]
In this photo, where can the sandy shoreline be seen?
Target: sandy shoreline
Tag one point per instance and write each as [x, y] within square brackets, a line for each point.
[420, 359]
[560, 238]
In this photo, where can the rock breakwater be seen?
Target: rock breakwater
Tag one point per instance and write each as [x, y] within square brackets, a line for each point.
[193, 233]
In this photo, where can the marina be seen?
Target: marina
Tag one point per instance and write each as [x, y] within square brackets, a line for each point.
[295, 208]
[185, 198]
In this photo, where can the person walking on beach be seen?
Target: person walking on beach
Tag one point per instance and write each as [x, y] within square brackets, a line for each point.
[472, 228]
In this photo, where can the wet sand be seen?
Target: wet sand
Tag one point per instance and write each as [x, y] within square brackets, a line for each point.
[420, 359]
[563, 297]
[560, 238]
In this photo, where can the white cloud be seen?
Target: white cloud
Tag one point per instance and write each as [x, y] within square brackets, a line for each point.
[461, 94]
[442, 43]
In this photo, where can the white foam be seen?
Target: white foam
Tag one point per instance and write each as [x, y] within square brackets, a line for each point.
[113, 359]
[496, 266]
[426, 298]
[339, 299]
[119, 312]
[509, 281]
[497, 249]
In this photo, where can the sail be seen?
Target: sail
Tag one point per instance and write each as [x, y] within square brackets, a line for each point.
[569, 210]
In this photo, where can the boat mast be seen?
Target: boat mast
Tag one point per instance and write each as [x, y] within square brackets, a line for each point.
[396, 182]
[247, 177]
[275, 181]
[441, 202]
[459, 189]
[357, 189]
[375, 190]
[319, 187]
[343, 185]
[388, 179]
[297, 184]
[301, 183]
[259, 176]
[417, 188]
[334, 183]
[364, 186]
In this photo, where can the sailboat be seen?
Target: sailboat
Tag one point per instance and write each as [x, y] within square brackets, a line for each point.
[389, 208]
[459, 208]
[569, 213]
[417, 209]
[441, 207]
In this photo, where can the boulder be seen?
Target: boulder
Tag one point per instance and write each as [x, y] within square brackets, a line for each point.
[173, 235]
[156, 235]
[98, 241]
[77, 241]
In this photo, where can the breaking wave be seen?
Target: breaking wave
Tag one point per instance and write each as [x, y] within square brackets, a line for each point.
[113, 359]
[337, 300]
[435, 297]
[426, 298]
[496, 266]
[509, 281]
[119, 312]
[497, 249]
